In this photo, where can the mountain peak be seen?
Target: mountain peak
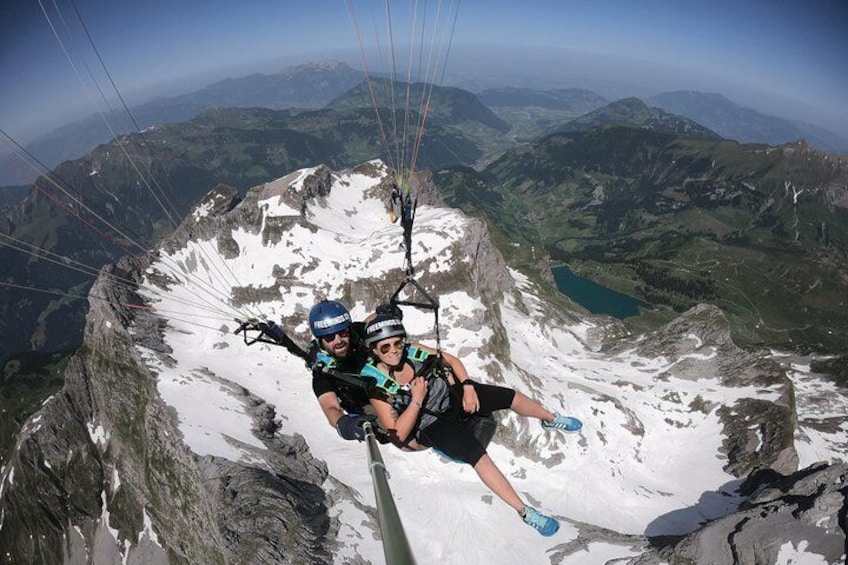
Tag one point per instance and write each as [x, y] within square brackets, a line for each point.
[446, 104]
[318, 67]
[195, 443]
[634, 112]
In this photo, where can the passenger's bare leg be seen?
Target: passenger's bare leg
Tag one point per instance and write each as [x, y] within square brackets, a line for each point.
[526, 406]
[497, 482]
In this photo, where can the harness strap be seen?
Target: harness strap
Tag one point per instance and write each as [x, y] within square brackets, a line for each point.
[426, 363]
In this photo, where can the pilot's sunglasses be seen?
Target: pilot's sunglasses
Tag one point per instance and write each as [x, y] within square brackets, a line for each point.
[386, 347]
[330, 338]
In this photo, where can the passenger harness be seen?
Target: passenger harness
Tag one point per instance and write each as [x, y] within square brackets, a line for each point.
[430, 366]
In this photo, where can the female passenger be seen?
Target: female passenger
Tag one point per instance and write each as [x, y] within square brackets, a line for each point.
[438, 396]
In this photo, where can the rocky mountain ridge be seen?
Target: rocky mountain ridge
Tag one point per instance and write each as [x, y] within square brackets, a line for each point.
[745, 124]
[633, 111]
[118, 467]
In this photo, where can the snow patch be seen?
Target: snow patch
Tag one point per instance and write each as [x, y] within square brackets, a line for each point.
[202, 211]
[116, 480]
[148, 530]
[104, 517]
[698, 341]
[85, 544]
[212, 417]
[790, 554]
[276, 208]
[98, 434]
[600, 553]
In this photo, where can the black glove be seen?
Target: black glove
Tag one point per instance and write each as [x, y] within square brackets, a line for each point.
[349, 426]
[272, 330]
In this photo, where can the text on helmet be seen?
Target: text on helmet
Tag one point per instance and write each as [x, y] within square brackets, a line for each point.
[373, 328]
[327, 322]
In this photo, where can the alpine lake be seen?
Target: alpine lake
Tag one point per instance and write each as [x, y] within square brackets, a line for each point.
[594, 297]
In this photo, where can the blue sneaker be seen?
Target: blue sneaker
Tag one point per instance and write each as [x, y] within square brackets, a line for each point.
[545, 525]
[564, 423]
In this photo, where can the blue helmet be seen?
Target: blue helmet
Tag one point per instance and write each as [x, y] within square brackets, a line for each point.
[328, 317]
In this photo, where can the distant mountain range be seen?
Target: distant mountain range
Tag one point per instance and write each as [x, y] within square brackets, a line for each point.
[447, 105]
[712, 112]
[302, 86]
[632, 111]
[744, 124]
[529, 112]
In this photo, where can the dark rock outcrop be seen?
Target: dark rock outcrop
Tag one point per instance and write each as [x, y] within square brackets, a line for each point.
[799, 514]
[101, 473]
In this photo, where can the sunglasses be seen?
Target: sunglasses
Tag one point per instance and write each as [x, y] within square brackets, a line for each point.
[396, 344]
[330, 338]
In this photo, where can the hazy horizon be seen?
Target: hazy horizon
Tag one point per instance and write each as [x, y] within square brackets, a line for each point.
[534, 68]
[785, 60]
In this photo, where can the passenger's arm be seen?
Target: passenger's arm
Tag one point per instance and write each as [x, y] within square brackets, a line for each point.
[401, 425]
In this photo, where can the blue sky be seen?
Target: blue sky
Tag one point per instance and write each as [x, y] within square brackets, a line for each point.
[787, 58]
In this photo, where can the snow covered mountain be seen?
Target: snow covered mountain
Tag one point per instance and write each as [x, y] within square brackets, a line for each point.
[173, 441]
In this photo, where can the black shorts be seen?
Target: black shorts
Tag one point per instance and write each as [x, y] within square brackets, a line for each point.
[453, 433]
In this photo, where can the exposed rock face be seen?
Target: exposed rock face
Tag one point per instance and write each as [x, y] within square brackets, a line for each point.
[101, 474]
[786, 516]
[269, 517]
[758, 433]
[201, 223]
[104, 455]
